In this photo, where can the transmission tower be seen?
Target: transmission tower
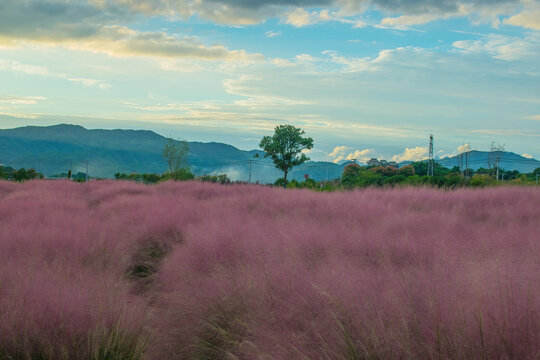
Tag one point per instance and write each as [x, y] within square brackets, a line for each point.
[431, 161]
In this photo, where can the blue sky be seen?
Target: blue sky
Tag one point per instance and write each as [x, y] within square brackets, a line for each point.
[363, 78]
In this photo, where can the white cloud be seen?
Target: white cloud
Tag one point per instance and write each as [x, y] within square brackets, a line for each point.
[359, 23]
[184, 65]
[21, 100]
[341, 153]
[303, 58]
[18, 115]
[504, 132]
[414, 154]
[463, 148]
[101, 84]
[528, 156]
[362, 155]
[501, 47]
[15, 66]
[31, 15]
[272, 33]
[122, 41]
[404, 21]
[528, 18]
[300, 17]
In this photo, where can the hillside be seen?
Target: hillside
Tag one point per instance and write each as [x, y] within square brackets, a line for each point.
[53, 149]
[508, 161]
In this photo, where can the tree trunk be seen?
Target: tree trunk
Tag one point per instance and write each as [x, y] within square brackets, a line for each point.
[285, 178]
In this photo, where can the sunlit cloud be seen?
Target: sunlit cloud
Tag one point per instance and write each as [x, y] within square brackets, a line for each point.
[341, 153]
[413, 154]
[195, 62]
[17, 67]
[101, 84]
[21, 100]
[506, 132]
[271, 33]
[528, 18]
[501, 47]
[463, 149]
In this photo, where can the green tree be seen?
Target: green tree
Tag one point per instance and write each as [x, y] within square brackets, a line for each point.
[175, 153]
[407, 170]
[285, 148]
[350, 174]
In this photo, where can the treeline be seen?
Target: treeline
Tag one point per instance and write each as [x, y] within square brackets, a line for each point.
[353, 176]
[415, 174]
[9, 173]
[180, 175]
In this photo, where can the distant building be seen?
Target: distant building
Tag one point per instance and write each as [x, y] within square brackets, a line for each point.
[377, 162]
[373, 162]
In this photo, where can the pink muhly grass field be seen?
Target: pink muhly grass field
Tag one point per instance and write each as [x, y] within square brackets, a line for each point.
[118, 270]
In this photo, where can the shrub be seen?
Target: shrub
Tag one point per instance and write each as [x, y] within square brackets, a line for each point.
[478, 181]
[220, 179]
[407, 170]
[384, 170]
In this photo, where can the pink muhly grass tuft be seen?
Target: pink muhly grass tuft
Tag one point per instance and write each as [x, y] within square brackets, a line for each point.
[118, 270]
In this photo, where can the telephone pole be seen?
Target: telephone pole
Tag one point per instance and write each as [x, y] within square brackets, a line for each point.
[249, 181]
[431, 161]
[467, 163]
[460, 162]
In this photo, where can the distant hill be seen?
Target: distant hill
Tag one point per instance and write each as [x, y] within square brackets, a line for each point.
[54, 149]
[508, 161]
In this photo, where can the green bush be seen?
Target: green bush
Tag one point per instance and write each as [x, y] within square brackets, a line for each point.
[478, 181]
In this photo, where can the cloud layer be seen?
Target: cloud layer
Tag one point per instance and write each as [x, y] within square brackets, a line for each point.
[80, 18]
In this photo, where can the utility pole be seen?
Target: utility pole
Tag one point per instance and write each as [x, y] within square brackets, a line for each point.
[249, 181]
[461, 165]
[431, 161]
[467, 154]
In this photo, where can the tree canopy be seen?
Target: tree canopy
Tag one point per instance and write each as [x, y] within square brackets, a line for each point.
[175, 153]
[285, 148]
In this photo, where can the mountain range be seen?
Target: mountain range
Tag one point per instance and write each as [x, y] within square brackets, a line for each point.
[56, 149]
